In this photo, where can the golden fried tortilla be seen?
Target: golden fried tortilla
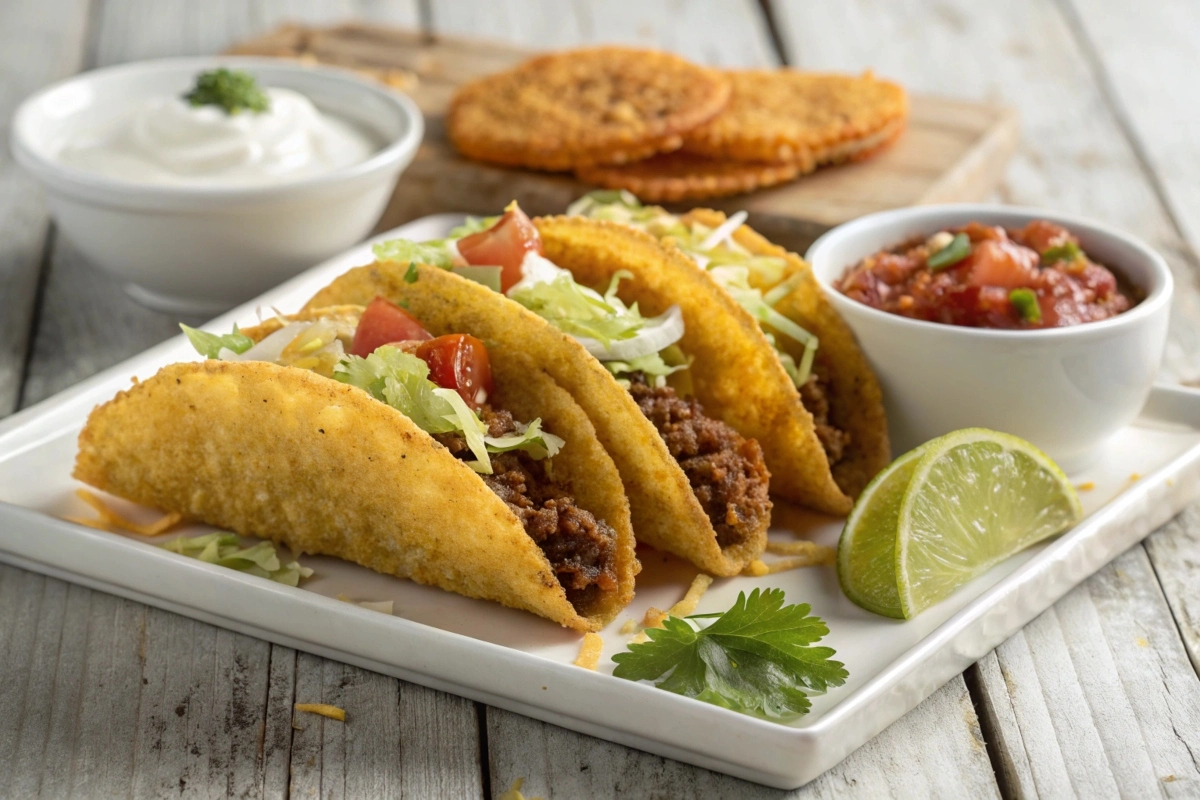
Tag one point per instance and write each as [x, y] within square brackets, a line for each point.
[671, 177]
[855, 399]
[784, 115]
[287, 455]
[601, 105]
[665, 511]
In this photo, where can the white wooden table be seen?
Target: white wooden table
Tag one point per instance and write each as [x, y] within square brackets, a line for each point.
[1098, 697]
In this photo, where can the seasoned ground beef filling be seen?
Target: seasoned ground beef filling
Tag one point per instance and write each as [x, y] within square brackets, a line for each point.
[834, 441]
[726, 471]
[580, 547]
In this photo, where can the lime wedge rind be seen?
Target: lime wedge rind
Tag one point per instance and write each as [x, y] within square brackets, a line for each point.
[863, 540]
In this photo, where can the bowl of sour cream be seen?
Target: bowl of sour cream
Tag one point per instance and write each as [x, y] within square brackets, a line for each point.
[195, 206]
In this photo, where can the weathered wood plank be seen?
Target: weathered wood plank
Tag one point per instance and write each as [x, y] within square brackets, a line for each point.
[1147, 61]
[40, 42]
[1175, 554]
[730, 33]
[935, 751]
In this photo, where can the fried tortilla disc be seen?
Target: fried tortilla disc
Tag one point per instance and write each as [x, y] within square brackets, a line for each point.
[287, 455]
[855, 399]
[784, 115]
[671, 177]
[604, 105]
[665, 511]
[736, 374]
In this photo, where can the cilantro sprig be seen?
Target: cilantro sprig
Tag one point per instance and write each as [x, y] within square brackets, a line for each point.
[230, 89]
[756, 658]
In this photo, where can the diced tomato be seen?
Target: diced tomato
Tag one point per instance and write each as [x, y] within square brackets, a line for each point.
[384, 322]
[504, 245]
[1042, 235]
[1002, 263]
[460, 362]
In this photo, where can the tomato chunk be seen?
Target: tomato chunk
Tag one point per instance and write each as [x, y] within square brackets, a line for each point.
[504, 245]
[384, 322]
[460, 362]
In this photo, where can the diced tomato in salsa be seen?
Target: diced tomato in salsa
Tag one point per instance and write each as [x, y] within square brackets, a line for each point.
[384, 322]
[504, 245]
[460, 362]
[978, 290]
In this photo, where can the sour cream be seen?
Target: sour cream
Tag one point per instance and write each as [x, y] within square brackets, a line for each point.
[165, 140]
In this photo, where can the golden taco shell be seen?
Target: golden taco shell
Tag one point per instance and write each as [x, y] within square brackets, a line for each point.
[666, 513]
[855, 402]
[736, 373]
[285, 454]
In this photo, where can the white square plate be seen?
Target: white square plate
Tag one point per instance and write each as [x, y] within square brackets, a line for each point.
[521, 662]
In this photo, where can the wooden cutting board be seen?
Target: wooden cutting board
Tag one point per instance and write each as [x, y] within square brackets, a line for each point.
[952, 150]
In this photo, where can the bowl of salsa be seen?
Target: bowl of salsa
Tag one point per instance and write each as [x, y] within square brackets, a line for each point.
[1044, 325]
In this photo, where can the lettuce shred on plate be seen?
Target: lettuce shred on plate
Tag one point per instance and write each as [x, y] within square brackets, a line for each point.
[402, 381]
[730, 264]
[225, 550]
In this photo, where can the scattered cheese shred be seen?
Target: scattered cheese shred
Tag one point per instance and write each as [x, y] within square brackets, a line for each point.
[382, 606]
[685, 607]
[654, 617]
[629, 627]
[333, 712]
[1086, 487]
[112, 521]
[785, 564]
[514, 792]
[756, 569]
[1135, 477]
[817, 554]
[589, 651]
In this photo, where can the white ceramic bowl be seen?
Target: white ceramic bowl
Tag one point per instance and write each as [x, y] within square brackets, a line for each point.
[1067, 390]
[202, 249]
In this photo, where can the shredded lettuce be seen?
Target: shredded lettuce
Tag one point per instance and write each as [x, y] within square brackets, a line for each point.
[653, 366]
[530, 438]
[209, 345]
[488, 276]
[436, 253]
[727, 261]
[580, 311]
[473, 225]
[402, 381]
[225, 550]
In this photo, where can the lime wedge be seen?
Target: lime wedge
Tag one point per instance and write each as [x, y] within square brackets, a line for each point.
[945, 513]
[975, 498]
[866, 557]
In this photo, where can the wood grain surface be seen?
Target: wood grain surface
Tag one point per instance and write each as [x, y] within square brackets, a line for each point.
[1099, 697]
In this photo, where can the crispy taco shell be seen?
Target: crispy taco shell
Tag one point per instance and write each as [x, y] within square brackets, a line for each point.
[735, 374]
[665, 511]
[287, 455]
[855, 399]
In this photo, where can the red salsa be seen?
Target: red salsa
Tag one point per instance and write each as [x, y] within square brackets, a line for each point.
[984, 276]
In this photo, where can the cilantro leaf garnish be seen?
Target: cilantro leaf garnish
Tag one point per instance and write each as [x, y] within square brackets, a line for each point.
[230, 89]
[755, 658]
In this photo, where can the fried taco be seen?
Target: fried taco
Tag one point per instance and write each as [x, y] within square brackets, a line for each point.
[825, 454]
[357, 433]
[696, 487]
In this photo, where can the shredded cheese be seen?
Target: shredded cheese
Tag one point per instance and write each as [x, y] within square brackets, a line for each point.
[685, 607]
[589, 651]
[820, 554]
[1086, 486]
[785, 564]
[756, 569]
[382, 606]
[112, 521]
[333, 712]
[629, 627]
[514, 792]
